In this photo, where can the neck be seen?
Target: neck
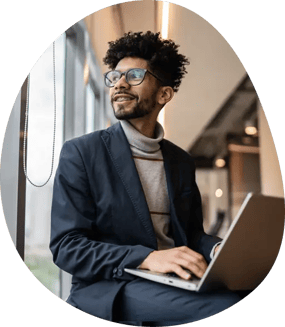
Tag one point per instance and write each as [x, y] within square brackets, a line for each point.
[145, 125]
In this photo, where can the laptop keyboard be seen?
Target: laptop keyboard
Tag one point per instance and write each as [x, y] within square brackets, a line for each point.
[171, 275]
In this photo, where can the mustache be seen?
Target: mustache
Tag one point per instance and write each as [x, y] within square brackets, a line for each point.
[122, 92]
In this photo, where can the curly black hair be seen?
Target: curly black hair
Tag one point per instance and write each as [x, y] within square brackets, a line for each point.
[162, 55]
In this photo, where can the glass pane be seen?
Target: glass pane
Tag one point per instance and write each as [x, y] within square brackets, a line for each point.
[98, 114]
[39, 159]
[90, 109]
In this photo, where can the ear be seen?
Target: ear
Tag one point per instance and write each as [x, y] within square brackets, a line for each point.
[165, 94]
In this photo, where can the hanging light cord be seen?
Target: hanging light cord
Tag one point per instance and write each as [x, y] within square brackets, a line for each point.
[26, 123]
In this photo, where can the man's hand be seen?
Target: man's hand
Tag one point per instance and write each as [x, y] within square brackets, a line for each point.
[174, 260]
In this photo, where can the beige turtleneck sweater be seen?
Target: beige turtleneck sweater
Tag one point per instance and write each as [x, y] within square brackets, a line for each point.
[149, 163]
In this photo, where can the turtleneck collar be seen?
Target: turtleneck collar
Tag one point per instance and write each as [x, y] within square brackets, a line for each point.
[140, 141]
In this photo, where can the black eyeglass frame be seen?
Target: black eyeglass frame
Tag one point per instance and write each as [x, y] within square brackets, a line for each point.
[126, 73]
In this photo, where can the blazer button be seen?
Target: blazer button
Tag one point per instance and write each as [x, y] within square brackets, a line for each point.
[120, 272]
[115, 270]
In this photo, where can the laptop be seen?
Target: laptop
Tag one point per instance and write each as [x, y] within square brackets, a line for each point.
[246, 254]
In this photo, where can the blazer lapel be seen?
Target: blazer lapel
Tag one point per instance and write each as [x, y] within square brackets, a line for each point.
[120, 153]
[172, 179]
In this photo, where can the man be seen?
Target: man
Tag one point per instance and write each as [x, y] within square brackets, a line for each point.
[125, 197]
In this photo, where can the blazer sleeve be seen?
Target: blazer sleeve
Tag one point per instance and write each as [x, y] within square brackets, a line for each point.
[73, 221]
[199, 241]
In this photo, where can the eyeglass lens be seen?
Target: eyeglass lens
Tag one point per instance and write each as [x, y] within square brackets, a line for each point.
[133, 77]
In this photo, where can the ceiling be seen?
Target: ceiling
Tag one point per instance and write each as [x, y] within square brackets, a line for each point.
[228, 126]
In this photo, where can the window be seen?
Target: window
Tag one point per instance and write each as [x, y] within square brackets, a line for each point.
[90, 109]
[39, 158]
[81, 108]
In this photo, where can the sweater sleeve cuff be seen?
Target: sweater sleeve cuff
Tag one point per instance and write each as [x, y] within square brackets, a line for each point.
[213, 250]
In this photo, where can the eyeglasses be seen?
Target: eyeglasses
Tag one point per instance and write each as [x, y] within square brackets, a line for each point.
[134, 76]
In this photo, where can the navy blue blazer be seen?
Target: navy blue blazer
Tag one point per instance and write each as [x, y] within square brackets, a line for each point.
[100, 222]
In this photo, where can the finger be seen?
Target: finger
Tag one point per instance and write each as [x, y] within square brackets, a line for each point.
[181, 272]
[197, 260]
[195, 268]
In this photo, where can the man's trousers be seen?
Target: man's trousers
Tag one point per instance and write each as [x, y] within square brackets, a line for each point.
[146, 301]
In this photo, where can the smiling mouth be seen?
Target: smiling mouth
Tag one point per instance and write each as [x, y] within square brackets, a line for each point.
[123, 99]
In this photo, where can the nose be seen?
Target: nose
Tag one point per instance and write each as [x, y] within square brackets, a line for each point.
[122, 83]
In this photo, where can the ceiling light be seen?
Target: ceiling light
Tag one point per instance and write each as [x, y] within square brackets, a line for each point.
[165, 18]
[218, 193]
[220, 162]
[250, 130]
[250, 127]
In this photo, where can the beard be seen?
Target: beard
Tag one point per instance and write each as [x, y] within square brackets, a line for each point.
[138, 110]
